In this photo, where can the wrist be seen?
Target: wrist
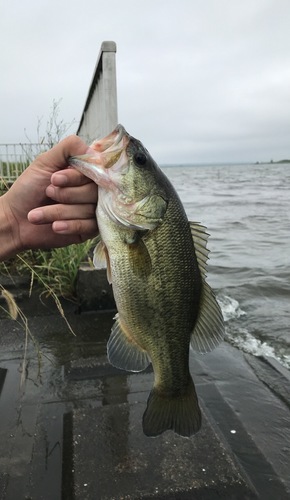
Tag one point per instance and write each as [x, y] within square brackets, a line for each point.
[8, 231]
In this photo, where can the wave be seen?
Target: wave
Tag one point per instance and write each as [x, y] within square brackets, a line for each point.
[246, 342]
[230, 308]
[241, 338]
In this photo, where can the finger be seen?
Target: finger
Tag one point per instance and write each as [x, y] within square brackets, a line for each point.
[60, 212]
[57, 158]
[86, 228]
[69, 177]
[88, 193]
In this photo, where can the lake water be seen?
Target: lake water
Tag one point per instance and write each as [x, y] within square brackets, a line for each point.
[246, 209]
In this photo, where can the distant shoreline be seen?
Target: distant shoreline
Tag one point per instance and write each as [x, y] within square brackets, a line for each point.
[272, 162]
[223, 164]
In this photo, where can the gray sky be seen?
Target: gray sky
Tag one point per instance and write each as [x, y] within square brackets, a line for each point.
[198, 80]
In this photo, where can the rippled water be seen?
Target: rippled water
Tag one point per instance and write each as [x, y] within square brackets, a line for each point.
[246, 209]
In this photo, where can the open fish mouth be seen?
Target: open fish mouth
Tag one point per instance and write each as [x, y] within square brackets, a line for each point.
[111, 141]
[103, 154]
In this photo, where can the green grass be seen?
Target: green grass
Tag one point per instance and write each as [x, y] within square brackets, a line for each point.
[3, 186]
[12, 169]
[58, 268]
[55, 271]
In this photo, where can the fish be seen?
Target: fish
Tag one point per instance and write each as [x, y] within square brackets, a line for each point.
[156, 261]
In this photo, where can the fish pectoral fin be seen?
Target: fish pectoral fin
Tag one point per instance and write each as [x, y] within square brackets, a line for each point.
[209, 328]
[180, 414]
[123, 352]
[139, 257]
[101, 258]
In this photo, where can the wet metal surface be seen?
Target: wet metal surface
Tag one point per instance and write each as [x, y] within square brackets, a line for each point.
[31, 414]
[2, 378]
[119, 458]
[73, 429]
[264, 416]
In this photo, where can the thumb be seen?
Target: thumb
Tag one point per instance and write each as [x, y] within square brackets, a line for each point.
[57, 158]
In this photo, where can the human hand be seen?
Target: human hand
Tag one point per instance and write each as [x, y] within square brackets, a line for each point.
[51, 205]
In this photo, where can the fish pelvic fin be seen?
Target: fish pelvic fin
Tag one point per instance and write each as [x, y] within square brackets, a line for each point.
[180, 414]
[123, 352]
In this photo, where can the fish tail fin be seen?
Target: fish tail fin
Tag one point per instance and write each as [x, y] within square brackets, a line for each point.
[179, 413]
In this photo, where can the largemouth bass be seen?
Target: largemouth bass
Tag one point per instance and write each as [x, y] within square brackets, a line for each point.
[156, 262]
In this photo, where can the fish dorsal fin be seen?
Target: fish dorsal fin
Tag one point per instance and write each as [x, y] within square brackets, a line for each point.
[209, 328]
[124, 352]
[101, 258]
[200, 237]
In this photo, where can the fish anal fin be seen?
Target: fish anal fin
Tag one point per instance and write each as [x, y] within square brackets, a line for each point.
[180, 414]
[209, 328]
[123, 352]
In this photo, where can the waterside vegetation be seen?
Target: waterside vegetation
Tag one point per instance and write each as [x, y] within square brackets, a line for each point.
[54, 271]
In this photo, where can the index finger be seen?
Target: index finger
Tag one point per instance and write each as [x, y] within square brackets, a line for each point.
[69, 178]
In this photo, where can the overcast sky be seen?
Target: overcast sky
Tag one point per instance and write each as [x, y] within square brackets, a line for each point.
[198, 80]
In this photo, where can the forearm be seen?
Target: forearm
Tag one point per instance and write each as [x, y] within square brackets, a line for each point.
[8, 246]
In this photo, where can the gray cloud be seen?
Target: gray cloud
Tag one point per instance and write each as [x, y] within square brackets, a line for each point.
[198, 81]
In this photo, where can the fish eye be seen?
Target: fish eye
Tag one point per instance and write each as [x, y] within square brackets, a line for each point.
[140, 158]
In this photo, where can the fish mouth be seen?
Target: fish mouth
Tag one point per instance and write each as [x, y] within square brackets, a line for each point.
[112, 140]
[102, 155]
